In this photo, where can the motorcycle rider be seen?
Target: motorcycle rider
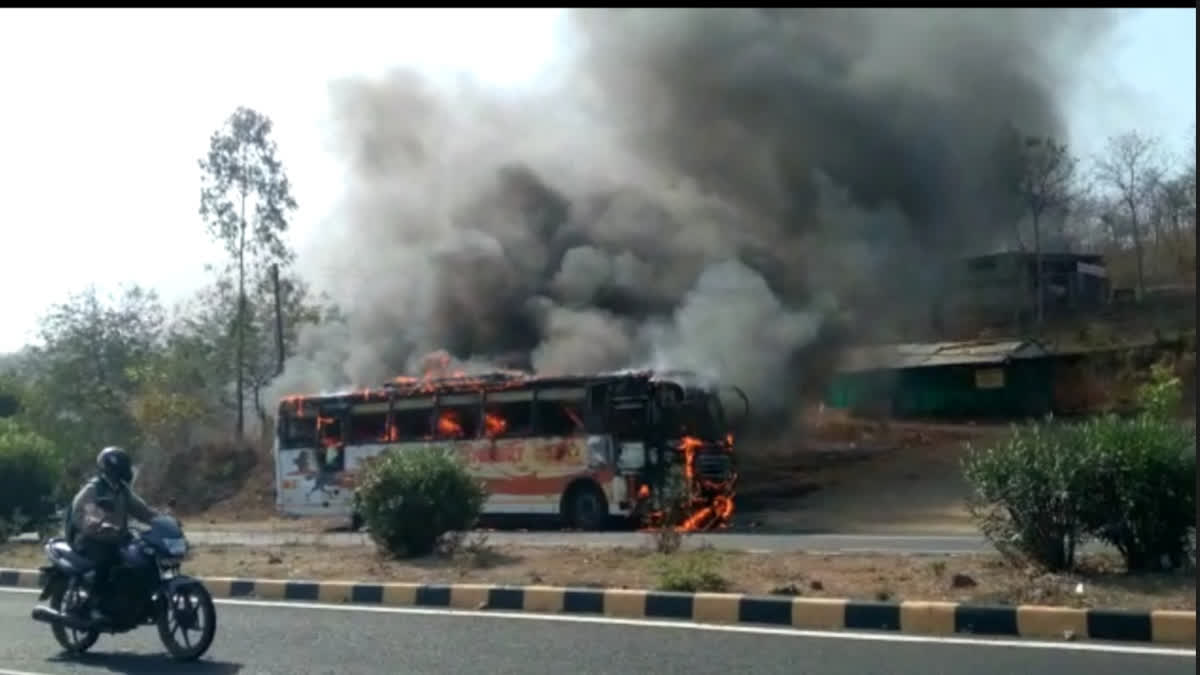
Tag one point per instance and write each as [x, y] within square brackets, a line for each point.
[99, 518]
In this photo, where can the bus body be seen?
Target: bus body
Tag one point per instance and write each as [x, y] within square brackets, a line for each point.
[655, 448]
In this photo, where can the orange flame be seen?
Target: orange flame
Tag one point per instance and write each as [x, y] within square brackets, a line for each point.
[322, 423]
[494, 425]
[448, 424]
[709, 504]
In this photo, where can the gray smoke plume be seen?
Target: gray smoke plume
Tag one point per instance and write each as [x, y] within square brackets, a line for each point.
[710, 189]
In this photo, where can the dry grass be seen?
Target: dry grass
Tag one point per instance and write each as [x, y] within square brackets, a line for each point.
[868, 577]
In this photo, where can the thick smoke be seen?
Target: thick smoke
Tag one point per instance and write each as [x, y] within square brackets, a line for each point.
[714, 190]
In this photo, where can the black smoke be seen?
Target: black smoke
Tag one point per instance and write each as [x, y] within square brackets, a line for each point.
[723, 190]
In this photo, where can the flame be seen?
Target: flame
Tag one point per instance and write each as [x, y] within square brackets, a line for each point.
[494, 425]
[448, 424]
[709, 504]
[327, 441]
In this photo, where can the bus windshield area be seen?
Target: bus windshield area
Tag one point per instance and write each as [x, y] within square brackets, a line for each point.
[699, 417]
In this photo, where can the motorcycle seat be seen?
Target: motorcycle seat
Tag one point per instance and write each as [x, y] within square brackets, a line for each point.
[62, 552]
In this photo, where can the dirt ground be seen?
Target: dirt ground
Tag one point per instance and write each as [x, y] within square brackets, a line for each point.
[857, 476]
[976, 579]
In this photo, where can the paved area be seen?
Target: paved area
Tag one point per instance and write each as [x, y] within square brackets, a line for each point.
[295, 640]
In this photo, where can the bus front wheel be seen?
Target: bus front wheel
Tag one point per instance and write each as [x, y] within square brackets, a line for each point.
[585, 507]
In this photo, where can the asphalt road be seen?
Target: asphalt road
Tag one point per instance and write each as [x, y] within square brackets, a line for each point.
[254, 640]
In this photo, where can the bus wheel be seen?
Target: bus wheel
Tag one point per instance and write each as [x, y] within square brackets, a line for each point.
[356, 522]
[585, 507]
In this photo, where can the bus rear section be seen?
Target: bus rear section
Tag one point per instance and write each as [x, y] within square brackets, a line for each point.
[315, 446]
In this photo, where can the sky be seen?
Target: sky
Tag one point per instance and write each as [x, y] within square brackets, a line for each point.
[106, 113]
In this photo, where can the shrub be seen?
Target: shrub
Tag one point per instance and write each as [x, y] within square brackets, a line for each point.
[693, 572]
[409, 499]
[1143, 502]
[29, 476]
[1128, 481]
[1029, 493]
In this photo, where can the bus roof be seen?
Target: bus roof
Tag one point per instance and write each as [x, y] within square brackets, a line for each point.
[403, 387]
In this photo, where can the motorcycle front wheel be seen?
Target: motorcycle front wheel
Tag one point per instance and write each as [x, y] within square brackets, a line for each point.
[188, 610]
[66, 598]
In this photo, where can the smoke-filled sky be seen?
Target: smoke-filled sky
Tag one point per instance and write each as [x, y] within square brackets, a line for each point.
[690, 189]
[699, 189]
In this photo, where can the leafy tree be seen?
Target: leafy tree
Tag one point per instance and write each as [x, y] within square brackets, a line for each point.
[79, 392]
[241, 171]
[208, 327]
[29, 472]
[170, 397]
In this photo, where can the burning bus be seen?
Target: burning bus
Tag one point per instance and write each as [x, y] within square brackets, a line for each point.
[656, 448]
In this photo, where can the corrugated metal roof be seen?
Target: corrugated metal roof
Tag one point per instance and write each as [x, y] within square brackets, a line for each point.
[933, 354]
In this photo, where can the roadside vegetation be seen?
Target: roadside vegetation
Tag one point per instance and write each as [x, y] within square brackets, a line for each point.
[1128, 481]
[411, 500]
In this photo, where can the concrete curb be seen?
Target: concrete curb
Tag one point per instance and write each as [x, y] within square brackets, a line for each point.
[916, 617]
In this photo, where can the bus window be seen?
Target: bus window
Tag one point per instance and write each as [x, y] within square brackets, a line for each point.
[333, 458]
[329, 430]
[559, 412]
[297, 432]
[412, 419]
[458, 417]
[508, 413]
[368, 423]
[628, 423]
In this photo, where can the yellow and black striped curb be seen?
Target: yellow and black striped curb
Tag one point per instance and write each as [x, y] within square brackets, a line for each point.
[928, 618]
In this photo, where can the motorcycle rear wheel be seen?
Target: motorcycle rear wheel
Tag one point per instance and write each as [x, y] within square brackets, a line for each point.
[181, 611]
[64, 599]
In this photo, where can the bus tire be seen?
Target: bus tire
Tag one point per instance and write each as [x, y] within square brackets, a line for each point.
[356, 522]
[585, 507]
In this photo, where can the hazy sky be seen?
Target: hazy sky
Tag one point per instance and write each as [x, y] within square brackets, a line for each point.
[107, 111]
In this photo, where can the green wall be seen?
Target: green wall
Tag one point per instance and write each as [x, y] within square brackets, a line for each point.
[948, 391]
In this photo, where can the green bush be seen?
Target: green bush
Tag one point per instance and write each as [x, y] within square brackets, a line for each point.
[1143, 501]
[29, 476]
[1029, 493]
[409, 499]
[692, 572]
[1128, 481]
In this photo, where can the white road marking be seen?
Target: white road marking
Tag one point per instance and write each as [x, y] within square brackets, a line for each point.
[725, 628]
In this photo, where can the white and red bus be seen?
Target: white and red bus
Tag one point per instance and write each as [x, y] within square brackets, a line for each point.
[589, 448]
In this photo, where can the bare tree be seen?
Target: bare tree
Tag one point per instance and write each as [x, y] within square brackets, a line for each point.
[1046, 185]
[1132, 168]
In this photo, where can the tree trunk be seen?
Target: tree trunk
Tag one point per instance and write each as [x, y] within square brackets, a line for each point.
[1037, 271]
[240, 429]
[1139, 254]
[279, 348]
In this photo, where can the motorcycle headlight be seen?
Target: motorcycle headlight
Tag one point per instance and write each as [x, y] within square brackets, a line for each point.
[176, 547]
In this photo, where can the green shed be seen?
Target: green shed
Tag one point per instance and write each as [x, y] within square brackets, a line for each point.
[946, 380]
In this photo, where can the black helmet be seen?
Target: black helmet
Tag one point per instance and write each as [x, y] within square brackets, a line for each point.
[114, 466]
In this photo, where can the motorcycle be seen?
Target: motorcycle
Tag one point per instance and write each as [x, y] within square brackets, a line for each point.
[146, 588]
